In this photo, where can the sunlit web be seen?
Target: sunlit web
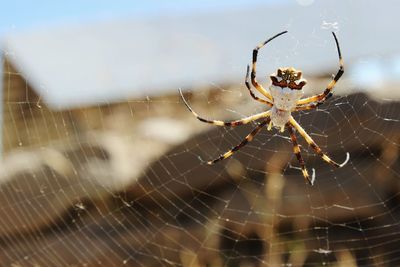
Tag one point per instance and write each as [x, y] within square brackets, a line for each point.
[135, 189]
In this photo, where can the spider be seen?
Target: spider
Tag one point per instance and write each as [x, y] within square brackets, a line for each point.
[284, 97]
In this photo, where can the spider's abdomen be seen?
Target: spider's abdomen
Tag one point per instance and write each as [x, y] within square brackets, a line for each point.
[285, 98]
[279, 117]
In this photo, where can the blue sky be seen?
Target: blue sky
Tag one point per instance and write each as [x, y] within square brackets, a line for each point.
[20, 15]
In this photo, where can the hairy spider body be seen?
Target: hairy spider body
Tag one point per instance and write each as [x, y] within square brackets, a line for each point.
[283, 97]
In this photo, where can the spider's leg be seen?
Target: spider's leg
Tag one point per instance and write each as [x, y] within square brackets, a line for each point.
[226, 123]
[246, 140]
[253, 68]
[246, 81]
[315, 147]
[307, 107]
[320, 98]
[296, 150]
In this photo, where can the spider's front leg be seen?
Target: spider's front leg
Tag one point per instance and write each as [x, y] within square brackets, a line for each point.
[315, 147]
[246, 81]
[321, 98]
[253, 67]
[225, 123]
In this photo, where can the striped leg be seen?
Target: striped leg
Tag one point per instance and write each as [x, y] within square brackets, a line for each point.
[328, 91]
[253, 68]
[246, 81]
[308, 107]
[315, 147]
[226, 123]
[296, 150]
[246, 140]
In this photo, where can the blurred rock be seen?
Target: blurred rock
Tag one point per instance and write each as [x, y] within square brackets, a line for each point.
[149, 200]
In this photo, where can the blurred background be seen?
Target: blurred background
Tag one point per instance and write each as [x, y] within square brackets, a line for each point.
[102, 164]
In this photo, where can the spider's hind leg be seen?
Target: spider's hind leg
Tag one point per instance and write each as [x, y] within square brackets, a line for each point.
[315, 147]
[296, 150]
[244, 142]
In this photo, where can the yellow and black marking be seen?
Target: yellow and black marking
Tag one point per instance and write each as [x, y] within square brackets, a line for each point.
[308, 107]
[246, 81]
[315, 147]
[226, 123]
[253, 68]
[320, 98]
[246, 140]
[296, 150]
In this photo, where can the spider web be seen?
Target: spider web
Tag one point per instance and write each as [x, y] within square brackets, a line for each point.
[64, 203]
[128, 184]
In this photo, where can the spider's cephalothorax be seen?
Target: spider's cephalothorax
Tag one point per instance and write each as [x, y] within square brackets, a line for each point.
[288, 77]
[284, 97]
